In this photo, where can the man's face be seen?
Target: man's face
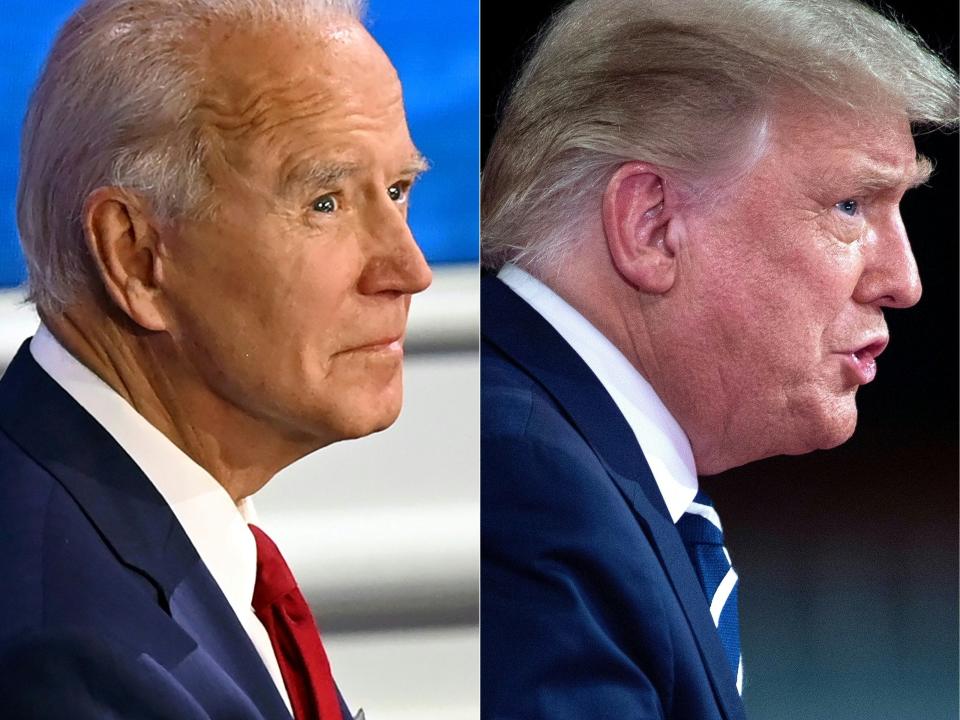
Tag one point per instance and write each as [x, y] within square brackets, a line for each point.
[785, 278]
[290, 300]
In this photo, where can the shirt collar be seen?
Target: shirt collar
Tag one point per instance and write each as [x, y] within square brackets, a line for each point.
[213, 523]
[664, 443]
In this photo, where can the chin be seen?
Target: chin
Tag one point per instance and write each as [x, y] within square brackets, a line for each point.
[820, 424]
[836, 437]
[837, 426]
[322, 429]
[368, 411]
[364, 424]
[353, 404]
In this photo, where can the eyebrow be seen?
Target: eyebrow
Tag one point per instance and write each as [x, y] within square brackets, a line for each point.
[320, 174]
[313, 173]
[417, 166]
[882, 177]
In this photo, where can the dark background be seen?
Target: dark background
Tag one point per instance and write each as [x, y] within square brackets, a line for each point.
[848, 558]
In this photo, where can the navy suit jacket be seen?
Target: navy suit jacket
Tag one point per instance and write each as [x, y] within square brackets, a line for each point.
[590, 607]
[106, 610]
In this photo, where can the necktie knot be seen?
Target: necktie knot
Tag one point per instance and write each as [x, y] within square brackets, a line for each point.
[274, 579]
[700, 524]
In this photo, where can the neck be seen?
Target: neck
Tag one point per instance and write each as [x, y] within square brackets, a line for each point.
[610, 304]
[241, 452]
[648, 331]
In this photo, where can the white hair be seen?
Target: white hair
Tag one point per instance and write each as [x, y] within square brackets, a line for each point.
[686, 85]
[114, 106]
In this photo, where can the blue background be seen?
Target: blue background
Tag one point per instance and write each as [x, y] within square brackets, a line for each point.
[434, 46]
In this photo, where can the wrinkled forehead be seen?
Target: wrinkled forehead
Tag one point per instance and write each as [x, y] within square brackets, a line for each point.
[275, 80]
[814, 140]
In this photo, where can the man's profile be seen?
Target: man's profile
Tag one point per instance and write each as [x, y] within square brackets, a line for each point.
[692, 212]
[213, 208]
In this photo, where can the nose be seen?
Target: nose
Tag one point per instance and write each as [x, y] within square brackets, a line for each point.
[890, 277]
[394, 261]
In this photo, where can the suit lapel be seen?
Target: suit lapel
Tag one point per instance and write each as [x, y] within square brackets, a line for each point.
[531, 342]
[200, 608]
[133, 518]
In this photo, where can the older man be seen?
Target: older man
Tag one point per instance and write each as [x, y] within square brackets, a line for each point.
[213, 206]
[692, 209]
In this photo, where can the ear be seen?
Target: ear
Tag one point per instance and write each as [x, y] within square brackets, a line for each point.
[635, 221]
[123, 241]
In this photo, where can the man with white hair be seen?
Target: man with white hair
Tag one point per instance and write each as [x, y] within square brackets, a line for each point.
[691, 209]
[213, 208]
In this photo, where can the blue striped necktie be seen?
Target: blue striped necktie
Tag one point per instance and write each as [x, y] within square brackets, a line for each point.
[702, 536]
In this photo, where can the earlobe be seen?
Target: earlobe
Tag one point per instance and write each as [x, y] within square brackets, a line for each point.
[636, 222]
[123, 244]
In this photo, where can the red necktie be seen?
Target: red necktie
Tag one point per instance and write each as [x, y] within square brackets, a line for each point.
[280, 605]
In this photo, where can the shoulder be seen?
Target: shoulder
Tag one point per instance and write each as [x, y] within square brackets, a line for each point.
[78, 628]
[534, 460]
[547, 499]
[27, 492]
[570, 581]
[578, 618]
[58, 569]
[44, 672]
[515, 405]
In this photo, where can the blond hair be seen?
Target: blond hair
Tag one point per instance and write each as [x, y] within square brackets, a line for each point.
[685, 85]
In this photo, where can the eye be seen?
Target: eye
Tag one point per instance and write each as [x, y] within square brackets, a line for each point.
[398, 192]
[325, 204]
[848, 207]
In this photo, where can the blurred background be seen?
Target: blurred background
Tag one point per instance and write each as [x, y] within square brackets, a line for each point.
[382, 533]
[847, 558]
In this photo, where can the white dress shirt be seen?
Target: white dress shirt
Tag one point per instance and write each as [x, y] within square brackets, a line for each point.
[663, 441]
[214, 524]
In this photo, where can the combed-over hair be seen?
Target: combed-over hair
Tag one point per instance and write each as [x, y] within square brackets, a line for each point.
[686, 85]
[114, 106]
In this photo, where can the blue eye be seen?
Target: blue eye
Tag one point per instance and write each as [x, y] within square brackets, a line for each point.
[397, 193]
[325, 204]
[848, 207]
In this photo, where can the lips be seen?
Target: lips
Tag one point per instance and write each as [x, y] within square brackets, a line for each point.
[391, 343]
[863, 360]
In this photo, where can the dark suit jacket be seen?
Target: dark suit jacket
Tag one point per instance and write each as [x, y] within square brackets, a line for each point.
[590, 607]
[106, 611]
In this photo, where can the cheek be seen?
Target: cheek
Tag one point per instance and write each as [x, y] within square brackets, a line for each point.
[820, 280]
[244, 301]
[316, 303]
[268, 320]
[741, 299]
[768, 297]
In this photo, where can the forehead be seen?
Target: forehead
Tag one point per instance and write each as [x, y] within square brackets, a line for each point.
[814, 144]
[279, 91]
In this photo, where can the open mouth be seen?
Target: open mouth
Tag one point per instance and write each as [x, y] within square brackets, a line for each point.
[864, 361]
